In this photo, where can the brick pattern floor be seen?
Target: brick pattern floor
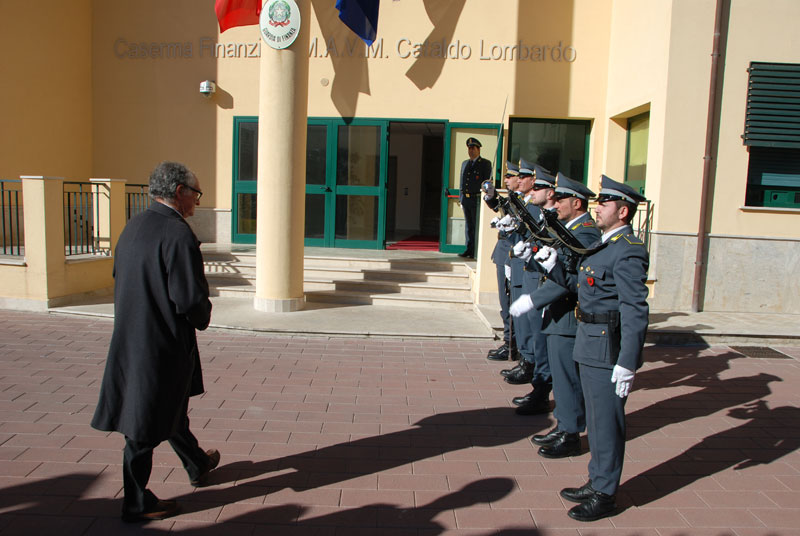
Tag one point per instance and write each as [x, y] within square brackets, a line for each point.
[394, 437]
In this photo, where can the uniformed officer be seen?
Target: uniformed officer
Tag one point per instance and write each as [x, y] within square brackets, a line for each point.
[474, 171]
[559, 324]
[612, 323]
[500, 259]
[534, 366]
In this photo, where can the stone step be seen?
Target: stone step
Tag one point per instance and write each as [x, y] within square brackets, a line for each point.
[399, 300]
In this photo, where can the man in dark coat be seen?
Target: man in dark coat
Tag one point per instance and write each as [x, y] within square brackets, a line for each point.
[153, 366]
[474, 171]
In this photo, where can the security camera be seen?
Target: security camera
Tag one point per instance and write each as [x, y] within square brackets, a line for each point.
[207, 87]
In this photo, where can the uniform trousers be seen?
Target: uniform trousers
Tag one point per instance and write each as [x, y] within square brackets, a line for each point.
[470, 207]
[137, 463]
[570, 412]
[505, 301]
[605, 425]
[522, 331]
[537, 342]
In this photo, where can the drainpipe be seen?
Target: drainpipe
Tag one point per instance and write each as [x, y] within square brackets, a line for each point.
[702, 242]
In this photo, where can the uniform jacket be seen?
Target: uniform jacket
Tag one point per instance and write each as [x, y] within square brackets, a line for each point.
[160, 298]
[517, 266]
[473, 176]
[503, 245]
[613, 279]
[557, 300]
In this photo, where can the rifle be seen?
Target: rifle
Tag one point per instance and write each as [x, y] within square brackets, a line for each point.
[559, 231]
[535, 229]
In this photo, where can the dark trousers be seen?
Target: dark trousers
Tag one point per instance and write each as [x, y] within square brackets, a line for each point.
[470, 207]
[570, 410]
[605, 426]
[137, 463]
[503, 285]
[537, 340]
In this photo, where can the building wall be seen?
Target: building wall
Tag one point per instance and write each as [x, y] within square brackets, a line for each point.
[46, 128]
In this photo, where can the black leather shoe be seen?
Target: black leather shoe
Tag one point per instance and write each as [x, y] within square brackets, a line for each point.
[161, 510]
[466, 255]
[578, 495]
[515, 354]
[546, 439]
[521, 376]
[213, 462]
[500, 354]
[565, 446]
[535, 406]
[520, 400]
[597, 506]
[505, 372]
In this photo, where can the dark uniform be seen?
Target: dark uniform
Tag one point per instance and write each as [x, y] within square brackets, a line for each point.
[534, 354]
[612, 324]
[473, 173]
[500, 259]
[560, 326]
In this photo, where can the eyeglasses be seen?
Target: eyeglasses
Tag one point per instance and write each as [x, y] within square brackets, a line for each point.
[195, 190]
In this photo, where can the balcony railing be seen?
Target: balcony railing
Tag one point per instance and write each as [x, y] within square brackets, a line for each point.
[13, 238]
[642, 222]
[137, 199]
[80, 216]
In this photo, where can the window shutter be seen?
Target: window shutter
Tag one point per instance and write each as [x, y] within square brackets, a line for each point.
[773, 105]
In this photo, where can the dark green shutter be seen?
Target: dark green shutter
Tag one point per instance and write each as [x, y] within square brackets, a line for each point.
[773, 105]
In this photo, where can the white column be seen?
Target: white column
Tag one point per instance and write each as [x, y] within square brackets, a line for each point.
[282, 118]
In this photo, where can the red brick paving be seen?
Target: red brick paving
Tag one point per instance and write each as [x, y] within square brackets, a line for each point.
[393, 437]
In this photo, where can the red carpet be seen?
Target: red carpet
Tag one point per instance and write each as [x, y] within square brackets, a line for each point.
[416, 243]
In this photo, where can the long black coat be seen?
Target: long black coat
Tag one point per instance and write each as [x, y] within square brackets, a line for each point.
[160, 298]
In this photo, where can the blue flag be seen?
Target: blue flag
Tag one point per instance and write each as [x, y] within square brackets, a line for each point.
[361, 16]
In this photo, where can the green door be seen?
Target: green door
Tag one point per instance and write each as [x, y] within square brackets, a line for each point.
[453, 231]
[245, 166]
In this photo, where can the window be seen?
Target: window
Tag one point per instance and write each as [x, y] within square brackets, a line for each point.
[553, 144]
[636, 151]
[772, 134]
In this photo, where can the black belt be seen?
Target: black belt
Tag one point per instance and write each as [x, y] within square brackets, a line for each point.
[594, 318]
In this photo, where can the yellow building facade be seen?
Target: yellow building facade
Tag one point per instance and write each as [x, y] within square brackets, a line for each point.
[586, 87]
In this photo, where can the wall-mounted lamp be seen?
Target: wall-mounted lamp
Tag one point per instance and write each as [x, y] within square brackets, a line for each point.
[207, 88]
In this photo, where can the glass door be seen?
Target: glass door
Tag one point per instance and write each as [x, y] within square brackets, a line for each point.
[453, 230]
[245, 166]
[319, 194]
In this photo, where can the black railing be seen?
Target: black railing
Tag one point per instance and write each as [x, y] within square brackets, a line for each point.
[137, 199]
[80, 218]
[10, 209]
[642, 222]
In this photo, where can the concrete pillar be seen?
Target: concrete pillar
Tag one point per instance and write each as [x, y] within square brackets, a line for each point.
[43, 199]
[110, 212]
[282, 118]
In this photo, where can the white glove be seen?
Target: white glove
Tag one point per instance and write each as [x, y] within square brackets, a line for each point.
[523, 251]
[521, 305]
[508, 272]
[489, 189]
[504, 222]
[494, 222]
[624, 380]
[547, 257]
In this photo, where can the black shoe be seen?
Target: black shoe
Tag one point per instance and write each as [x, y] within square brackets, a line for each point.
[520, 400]
[515, 356]
[505, 372]
[597, 506]
[534, 406]
[213, 462]
[161, 510]
[565, 446]
[546, 439]
[500, 354]
[578, 495]
[521, 376]
[466, 255]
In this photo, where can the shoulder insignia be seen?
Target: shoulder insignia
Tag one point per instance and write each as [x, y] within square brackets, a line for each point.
[632, 239]
[615, 238]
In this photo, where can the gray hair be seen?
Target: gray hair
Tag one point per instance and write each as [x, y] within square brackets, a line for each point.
[166, 177]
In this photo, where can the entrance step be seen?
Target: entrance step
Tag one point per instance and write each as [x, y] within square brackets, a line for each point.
[405, 282]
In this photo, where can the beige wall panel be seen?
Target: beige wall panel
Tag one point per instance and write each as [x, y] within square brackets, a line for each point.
[47, 94]
[778, 42]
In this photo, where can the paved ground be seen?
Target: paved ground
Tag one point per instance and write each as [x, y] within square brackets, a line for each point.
[384, 436]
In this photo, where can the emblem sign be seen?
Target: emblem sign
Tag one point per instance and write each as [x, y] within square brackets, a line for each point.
[280, 23]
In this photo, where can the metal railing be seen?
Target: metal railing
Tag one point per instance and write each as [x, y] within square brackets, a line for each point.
[13, 239]
[137, 199]
[80, 217]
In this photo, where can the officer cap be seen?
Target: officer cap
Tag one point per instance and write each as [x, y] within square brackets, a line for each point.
[473, 142]
[566, 187]
[543, 178]
[511, 169]
[611, 190]
[525, 167]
